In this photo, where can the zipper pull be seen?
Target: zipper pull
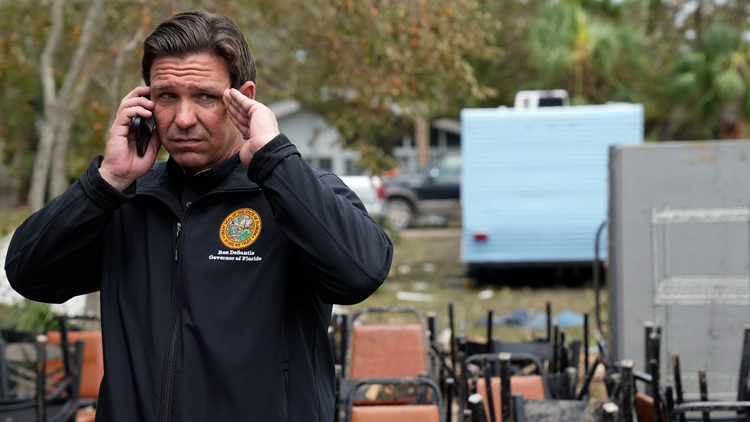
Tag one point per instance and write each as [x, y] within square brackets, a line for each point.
[177, 242]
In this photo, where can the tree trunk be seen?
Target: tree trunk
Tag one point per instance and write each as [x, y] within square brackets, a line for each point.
[60, 108]
[58, 181]
[422, 135]
[40, 171]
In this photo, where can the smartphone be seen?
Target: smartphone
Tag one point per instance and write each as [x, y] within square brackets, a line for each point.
[141, 128]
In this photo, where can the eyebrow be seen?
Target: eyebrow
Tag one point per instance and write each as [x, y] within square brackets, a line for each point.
[192, 87]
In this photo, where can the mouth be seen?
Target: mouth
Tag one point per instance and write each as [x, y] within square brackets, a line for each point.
[185, 142]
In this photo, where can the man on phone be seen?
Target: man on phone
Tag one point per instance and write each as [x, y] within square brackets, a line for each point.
[217, 269]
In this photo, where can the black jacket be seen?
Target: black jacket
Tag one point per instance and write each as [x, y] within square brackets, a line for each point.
[217, 310]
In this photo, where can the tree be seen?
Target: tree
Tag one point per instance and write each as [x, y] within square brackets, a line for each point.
[375, 67]
[18, 104]
[61, 104]
[711, 82]
[588, 51]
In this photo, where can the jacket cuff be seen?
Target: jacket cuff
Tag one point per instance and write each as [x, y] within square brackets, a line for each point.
[268, 157]
[101, 192]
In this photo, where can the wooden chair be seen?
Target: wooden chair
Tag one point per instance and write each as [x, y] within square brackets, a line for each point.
[489, 383]
[377, 347]
[705, 409]
[55, 390]
[92, 370]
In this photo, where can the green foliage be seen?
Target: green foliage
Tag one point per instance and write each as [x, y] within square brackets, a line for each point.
[29, 317]
[709, 82]
[721, 39]
[588, 52]
[372, 67]
[729, 85]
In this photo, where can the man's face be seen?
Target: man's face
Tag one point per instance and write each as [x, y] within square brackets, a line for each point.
[191, 119]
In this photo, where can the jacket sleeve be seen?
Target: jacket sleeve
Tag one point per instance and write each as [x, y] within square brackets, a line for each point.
[349, 254]
[55, 254]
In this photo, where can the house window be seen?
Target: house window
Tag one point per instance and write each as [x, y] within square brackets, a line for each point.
[323, 163]
[352, 167]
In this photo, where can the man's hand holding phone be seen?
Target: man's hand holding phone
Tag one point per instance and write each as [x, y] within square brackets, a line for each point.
[132, 145]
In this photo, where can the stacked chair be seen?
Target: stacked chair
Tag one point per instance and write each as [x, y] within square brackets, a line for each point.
[92, 365]
[516, 381]
[40, 380]
[391, 368]
[388, 369]
[642, 396]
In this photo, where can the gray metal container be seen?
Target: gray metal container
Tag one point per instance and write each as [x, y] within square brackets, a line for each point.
[679, 256]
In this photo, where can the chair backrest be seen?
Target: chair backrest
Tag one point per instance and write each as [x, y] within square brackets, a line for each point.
[387, 351]
[93, 360]
[54, 395]
[644, 407]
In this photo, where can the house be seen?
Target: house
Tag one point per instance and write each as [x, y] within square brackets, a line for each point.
[319, 143]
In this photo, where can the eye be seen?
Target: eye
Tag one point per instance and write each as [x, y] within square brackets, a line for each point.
[206, 97]
[166, 96]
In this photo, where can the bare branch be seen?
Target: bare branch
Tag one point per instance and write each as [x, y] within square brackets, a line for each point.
[46, 63]
[83, 47]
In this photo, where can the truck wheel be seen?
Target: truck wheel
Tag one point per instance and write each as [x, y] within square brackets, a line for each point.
[400, 213]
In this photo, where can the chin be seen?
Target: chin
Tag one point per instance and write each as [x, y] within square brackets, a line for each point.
[190, 161]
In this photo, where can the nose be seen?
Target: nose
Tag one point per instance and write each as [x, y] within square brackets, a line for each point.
[185, 116]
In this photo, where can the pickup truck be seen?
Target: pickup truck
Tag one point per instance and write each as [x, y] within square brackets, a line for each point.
[431, 195]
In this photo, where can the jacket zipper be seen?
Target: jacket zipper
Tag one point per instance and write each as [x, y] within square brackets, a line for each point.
[168, 381]
[285, 396]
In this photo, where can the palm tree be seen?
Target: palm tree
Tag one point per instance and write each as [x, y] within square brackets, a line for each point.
[601, 58]
[711, 83]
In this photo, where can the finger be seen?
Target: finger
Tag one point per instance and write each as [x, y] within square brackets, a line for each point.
[139, 91]
[139, 95]
[236, 105]
[243, 102]
[236, 112]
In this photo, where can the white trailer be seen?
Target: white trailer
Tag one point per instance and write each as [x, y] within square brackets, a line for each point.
[534, 182]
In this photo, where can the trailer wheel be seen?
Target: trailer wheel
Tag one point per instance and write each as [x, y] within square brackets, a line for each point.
[400, 212]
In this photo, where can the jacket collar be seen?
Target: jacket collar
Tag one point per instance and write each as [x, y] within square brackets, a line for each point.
[230, 175]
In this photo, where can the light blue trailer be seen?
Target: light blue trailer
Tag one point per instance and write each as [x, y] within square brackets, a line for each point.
[534, 182]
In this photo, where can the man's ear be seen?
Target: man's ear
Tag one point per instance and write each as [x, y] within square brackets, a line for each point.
[248, 89]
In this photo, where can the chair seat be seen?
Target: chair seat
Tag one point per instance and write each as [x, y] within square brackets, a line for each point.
[86, 415]
[407, 413]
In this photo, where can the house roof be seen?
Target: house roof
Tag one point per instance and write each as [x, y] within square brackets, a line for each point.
[447, 125]
[285, 108]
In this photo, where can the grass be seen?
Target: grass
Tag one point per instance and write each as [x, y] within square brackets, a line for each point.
[427, 274]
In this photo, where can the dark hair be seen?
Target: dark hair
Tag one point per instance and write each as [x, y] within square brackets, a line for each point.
[200, 32]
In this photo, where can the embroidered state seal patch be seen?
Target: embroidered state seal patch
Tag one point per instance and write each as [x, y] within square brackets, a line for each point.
[240, 229]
